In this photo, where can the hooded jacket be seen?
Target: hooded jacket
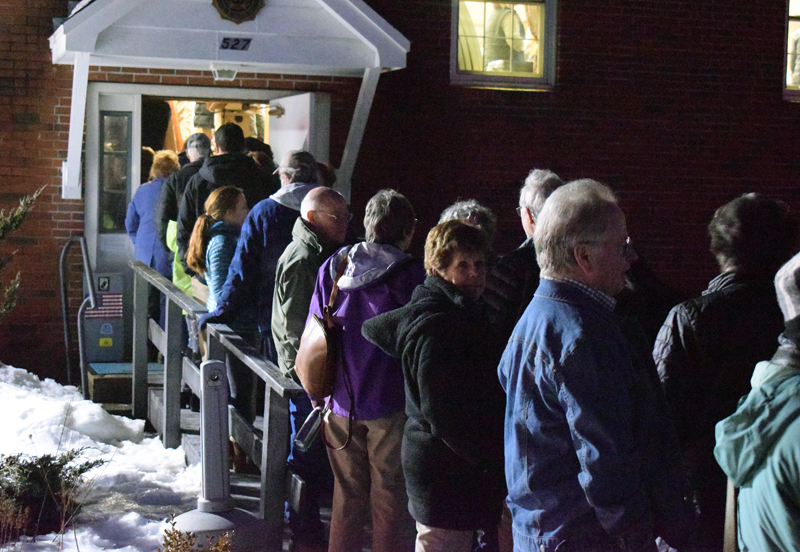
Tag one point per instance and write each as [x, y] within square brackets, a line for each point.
[758, 447]
[228, 169]
[453, 440]
[377, 278]
[266, 232]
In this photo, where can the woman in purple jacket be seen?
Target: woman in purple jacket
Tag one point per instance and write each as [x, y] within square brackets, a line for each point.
[367, 406]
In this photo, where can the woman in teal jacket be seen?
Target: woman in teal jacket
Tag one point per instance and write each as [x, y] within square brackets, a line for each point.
[758, 447]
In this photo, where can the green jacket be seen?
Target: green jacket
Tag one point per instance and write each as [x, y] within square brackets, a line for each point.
[758, 447]
[295, 278]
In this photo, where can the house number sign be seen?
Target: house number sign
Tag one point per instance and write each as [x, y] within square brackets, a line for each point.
[238, 11]
[230, 43]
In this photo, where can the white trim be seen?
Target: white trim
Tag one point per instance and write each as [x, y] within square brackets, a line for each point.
[71, 187]
[357, 127]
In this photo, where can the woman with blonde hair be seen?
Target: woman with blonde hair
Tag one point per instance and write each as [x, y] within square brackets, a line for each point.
[142, 226]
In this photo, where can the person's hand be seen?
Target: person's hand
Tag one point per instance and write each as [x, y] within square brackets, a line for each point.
[205, 319]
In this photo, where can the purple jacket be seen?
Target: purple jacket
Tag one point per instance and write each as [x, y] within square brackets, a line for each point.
[378, 278]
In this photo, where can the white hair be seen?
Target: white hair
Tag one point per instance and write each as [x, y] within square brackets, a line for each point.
[578, 212]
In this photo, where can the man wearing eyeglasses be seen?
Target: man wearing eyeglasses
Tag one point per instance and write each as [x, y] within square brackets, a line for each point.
[512, 281]
[321, 229]
[591, 456]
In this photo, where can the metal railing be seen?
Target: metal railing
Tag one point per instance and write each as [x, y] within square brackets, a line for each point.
[267, 449]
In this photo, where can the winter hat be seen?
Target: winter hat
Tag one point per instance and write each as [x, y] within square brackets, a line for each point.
[787, 287]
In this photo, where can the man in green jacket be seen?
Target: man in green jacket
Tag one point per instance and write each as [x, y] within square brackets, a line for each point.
[318, 232]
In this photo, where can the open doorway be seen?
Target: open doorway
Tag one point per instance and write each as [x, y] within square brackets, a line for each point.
[122, 118]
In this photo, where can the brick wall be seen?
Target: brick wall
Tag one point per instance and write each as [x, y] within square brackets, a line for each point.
[677, 105]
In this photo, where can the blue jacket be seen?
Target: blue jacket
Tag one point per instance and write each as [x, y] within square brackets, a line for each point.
[266, 232]
[591, 457]
[142, 227]
[758, 447]
[219, 254]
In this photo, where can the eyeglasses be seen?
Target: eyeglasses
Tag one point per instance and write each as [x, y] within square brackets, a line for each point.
[519, 211]
[341, 218]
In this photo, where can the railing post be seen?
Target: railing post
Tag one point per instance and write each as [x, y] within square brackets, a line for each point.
[173, 371]
[273, 465]
[140, 337]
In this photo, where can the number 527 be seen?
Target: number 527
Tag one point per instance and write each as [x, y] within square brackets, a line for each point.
[229, 43]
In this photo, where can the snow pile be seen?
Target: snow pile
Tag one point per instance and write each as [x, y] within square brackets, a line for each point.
[43, 417]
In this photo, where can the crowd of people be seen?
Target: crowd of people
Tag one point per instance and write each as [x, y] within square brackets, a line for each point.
[527, 402]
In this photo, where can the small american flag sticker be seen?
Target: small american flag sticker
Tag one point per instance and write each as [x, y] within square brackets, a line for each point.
[109, 306]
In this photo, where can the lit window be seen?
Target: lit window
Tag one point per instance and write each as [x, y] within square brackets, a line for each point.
[793, 51]
[504, 45]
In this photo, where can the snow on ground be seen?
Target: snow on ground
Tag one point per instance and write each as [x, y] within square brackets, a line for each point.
[131, 495]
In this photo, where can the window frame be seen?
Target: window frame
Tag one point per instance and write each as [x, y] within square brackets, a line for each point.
[483, 80]
[790, 92]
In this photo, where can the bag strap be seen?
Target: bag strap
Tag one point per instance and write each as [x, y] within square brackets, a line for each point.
[328, 317]
[339, 273]
[730, 538]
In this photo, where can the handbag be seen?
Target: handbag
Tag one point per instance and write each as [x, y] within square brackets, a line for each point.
[319, 347]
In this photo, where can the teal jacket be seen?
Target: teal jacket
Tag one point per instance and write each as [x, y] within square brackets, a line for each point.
[758, 447]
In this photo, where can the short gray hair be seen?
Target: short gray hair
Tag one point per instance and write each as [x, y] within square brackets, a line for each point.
[472, 212]
[200, 142]
[538, 187]
[575, 213]
[389, 217]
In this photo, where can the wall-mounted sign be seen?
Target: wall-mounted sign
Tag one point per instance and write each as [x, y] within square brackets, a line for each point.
[238, 11]
[230, 43]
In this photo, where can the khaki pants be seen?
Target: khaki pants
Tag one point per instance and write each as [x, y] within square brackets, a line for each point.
[368, 473]
[433, 539]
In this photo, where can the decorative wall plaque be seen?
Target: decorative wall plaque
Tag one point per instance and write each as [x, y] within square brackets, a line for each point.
[238, 11]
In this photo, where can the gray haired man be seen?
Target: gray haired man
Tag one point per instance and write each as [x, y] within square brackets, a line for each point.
[512, 281]
[591, 455]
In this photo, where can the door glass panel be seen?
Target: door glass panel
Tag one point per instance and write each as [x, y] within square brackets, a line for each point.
[115, 170]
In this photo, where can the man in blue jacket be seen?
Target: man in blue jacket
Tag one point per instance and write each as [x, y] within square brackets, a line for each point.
[591, 458]
[265, 234]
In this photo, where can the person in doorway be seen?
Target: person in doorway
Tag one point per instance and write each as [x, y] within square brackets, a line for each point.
[592, 461]
[230, 166]
[198, 147]
[141, 226]
[321, 228]
[367, 404]
[452, 443]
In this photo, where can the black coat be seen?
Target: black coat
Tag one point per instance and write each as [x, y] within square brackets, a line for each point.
[705, 354]
[228, 169]
[453, 439]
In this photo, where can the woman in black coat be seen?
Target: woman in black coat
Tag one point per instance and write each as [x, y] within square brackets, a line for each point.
[453, 440]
